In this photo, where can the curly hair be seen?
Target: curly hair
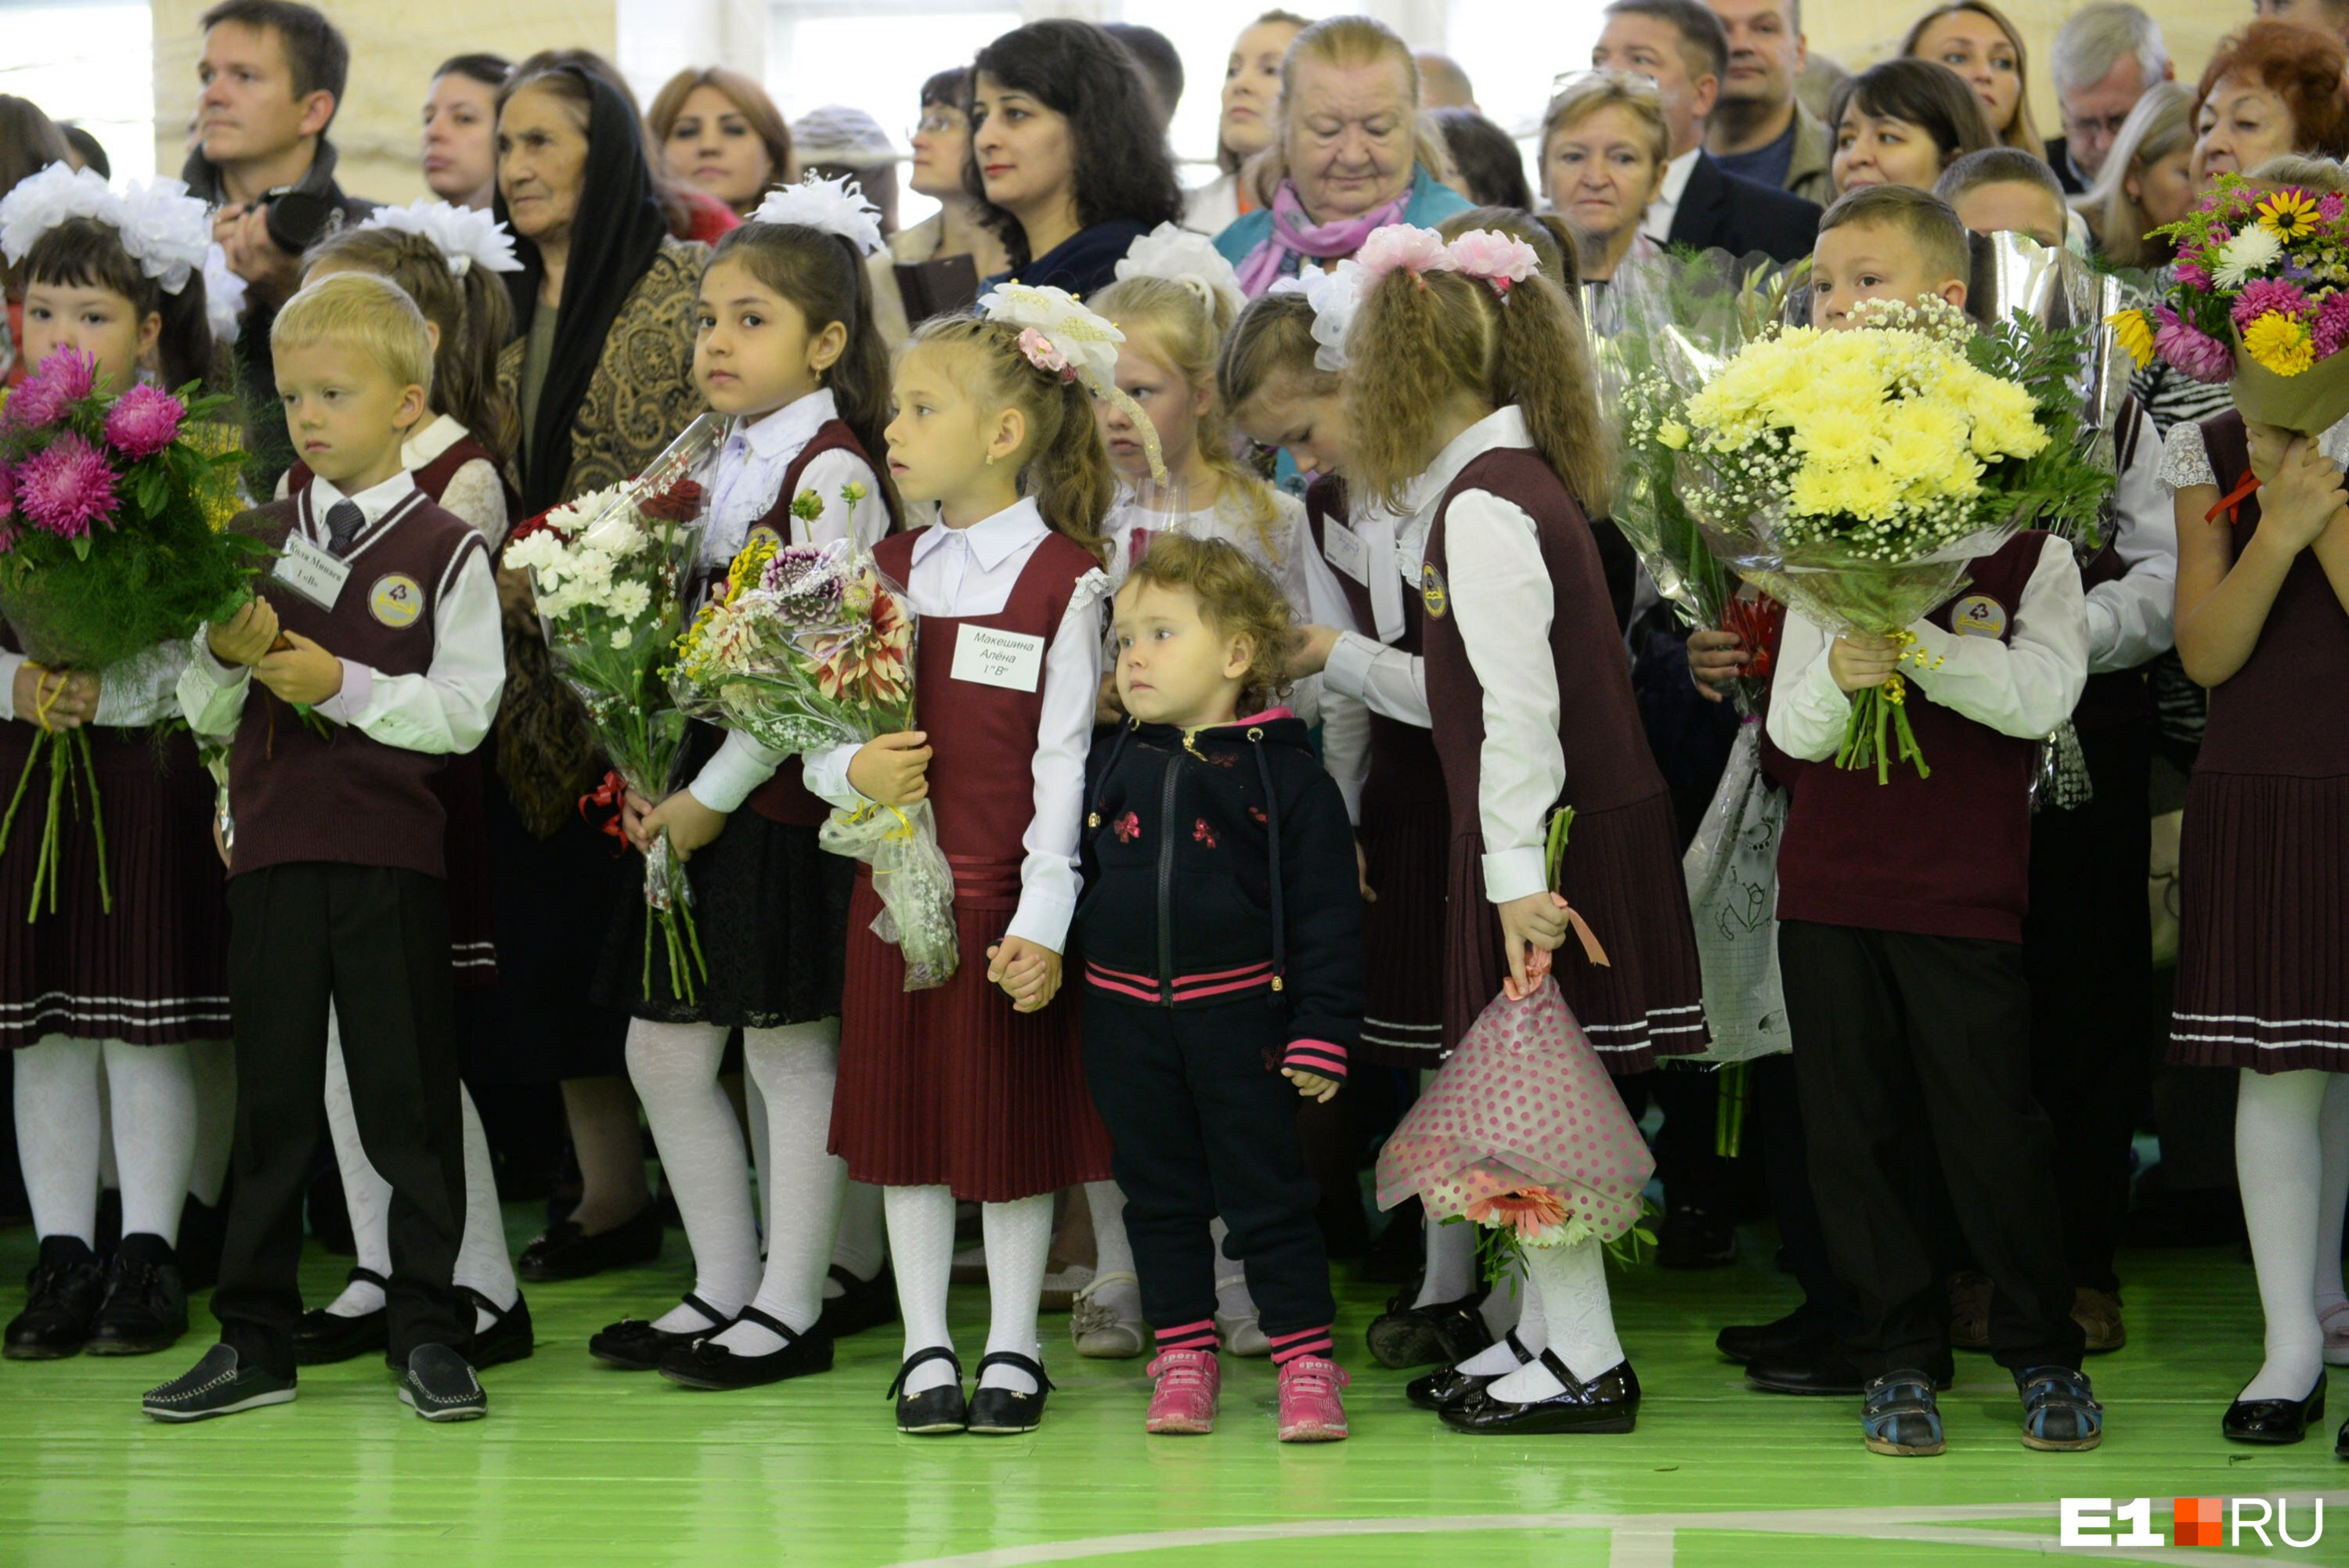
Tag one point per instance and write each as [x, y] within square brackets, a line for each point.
[1063, 464]
[1423, 340]
[2297, 64]
[473, 314]
[1122, 168]
[1237, 598]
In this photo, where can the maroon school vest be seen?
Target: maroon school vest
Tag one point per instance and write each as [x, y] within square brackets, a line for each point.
[1405, 777]
[1945, 856]
[346, 796]
[983, 737]
[1608, 763]
[784, 797]
[2281, 713]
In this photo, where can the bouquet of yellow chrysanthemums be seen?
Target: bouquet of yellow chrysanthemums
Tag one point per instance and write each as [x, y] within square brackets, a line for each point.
[1853, 475]
[2260, 298]
[810, 645]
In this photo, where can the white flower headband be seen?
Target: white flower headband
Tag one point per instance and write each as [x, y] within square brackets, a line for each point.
[1335, 295]
[165, 230]
[1178, 255]
[224, 295]
[1062, 337]
[829, 206]
[466, 237]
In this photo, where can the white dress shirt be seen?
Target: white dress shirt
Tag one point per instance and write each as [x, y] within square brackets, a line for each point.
[1656, 224]
[446, 709]
[968, 573]
[474, 492]
[2132, 618]
[743, 489]
[2023, 687]
[1503, 602]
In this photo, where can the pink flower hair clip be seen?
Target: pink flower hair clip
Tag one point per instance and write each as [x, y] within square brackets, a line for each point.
[1403, 247]
[1046, 356]
[1502, 261]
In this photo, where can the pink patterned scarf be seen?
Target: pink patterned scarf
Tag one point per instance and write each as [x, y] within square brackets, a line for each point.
[1293, 231]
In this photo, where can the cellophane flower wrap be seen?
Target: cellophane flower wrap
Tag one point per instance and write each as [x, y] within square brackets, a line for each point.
[1661, 329]
[1522, 1132]
[2259, 296]
[1853, 475]
[113, 541]
[809, 646]
[611, 571]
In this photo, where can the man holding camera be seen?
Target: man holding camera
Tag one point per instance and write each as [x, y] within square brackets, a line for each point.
[273, 72]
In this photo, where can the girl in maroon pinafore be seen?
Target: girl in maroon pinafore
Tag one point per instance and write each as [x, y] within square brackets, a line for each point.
[975, 1089]
[1473, 415]
[2263, 871]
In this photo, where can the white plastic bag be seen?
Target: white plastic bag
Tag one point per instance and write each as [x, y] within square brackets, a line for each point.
[1732, 888]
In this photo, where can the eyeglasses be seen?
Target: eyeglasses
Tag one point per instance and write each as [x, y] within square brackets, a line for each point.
[937, 122]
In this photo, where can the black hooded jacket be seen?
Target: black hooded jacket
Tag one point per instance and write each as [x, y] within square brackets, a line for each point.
[1219, 864]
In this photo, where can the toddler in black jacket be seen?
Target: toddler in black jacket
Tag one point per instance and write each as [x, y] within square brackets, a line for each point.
[1221, 935]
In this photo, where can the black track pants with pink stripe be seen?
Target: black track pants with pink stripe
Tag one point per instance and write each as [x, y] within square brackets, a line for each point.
[1205, 1125]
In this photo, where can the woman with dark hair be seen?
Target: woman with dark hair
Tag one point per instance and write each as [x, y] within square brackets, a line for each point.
[1488, 167]
[1974, 39]
[461, 129]
[1901, 123]
[601, 370]
[717, 131]
[1068, 160]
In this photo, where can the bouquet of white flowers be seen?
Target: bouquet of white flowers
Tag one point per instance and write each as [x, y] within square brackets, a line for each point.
[611, 571]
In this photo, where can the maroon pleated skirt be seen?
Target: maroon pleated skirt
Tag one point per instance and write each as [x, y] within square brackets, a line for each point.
[155, 971]
[2263, 939]
[1622, 872]
[1406, 831]
[951, 1087]
[472, 939]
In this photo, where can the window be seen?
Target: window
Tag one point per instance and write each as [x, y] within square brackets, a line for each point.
[90, 64]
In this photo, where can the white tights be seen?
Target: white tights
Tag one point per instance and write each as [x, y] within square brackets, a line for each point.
[2290, 1182]
[61, 1134]
[1019, 1236]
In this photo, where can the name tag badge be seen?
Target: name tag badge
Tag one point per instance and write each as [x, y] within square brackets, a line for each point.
[1011, 660]
[311, 571]
[1344, 549]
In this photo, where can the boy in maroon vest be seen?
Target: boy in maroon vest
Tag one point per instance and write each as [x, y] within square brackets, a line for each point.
[1900, 940]
[377, 643]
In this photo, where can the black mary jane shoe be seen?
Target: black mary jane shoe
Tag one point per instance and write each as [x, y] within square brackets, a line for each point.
[938, 1412]
[1407, 1336]
[1442, 1390]
[1607, 1403]
[1007, 1412]
[706, 1363]
[634, 1345]
[2274, 1421]
[566, 1252]
[509, 1336]
[64, 1292]
[145, 1304]
[862, 1303]
[322, 1338]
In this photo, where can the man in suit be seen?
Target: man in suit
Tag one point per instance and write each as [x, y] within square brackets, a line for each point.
[1680, 45]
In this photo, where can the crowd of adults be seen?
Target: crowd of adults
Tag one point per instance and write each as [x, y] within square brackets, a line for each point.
[1694, 122]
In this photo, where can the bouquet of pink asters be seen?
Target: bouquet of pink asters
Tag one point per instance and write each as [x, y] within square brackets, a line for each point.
[112, 541]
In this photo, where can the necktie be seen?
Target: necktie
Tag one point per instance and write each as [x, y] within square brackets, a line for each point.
[344, 520]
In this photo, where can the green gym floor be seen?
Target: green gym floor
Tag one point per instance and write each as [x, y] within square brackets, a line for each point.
[579, 1465]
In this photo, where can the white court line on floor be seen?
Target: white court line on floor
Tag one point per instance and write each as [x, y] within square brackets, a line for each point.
[1648, 1539]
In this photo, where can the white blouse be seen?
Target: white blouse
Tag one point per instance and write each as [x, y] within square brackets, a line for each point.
[1503, 601]
[971, 572]
[744, 488]
[2131, 618]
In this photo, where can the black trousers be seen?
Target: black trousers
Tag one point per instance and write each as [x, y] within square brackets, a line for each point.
[374, 942]
[1205, 1125]
[2087, 944]
[1911, 1052]
[1776, 1108]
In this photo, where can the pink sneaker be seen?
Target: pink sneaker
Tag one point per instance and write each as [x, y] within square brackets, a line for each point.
[1310, 1411]
[1183, 1399]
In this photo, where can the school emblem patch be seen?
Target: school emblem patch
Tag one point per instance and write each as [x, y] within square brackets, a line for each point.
[1433, 593]
[1978, 615]
[396, 600]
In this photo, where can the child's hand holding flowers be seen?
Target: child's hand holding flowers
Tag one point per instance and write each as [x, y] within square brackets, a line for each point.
[301, 672]
[893, 769]
[1862, 661]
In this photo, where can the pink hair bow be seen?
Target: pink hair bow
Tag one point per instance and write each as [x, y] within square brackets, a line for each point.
[1406, 248]
[1500, 260]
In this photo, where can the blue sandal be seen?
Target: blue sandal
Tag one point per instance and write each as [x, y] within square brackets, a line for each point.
[2060, 1415]
[1898, 1414]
